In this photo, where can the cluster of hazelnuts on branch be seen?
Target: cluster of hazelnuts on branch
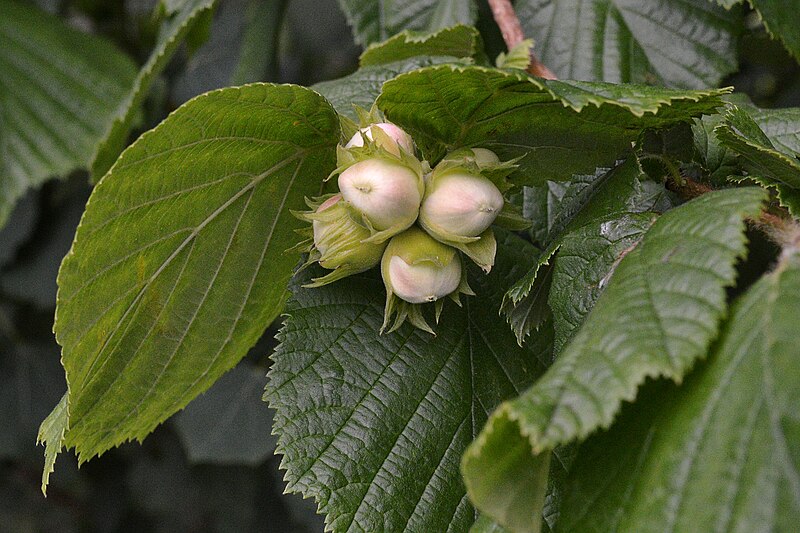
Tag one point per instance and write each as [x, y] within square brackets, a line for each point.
[417, 222]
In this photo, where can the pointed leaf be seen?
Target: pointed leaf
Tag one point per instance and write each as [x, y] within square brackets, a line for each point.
[58, 92]
[373, 426]
[657, 317]
[720, 452]
[557, 128]
[780, 19]
[681, 43]
[457, 41]
[179, 262]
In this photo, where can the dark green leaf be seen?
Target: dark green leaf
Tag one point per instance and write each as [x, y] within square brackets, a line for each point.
[657, 317]
[680, 43]
[559, 128]
[720, 452]
[58, 91]
[457, 41]
[373, 426]
[182, 16]
[766, 165]
[780, 19]
[180, 260]
[377, 20]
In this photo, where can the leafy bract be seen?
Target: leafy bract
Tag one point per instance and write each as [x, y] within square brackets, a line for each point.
[681, 43]
[58, 91]
[780, 19]
[362, 87]
[179, 262]
[373, 426]
[720, 453]
[657, 317]
[181, 16]
[376, 20]
[764, 164]
[457, 41]
[228, 423]
[557, 128]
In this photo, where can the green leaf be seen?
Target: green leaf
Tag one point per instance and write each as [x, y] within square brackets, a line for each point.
[228, 424]
[657, 317]
[780, 20]
[484, 524]
[720, 452]
[182, 16]
[585, 262]
[376, 20]
[179, 262]
[764, 164]
[457, 41]
[680, 43]
[781, 126]
[373, 426]
[58, 92]
[362, 87]
[557, 128]
[588, 200]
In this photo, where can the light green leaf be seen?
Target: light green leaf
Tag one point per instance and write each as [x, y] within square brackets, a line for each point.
[518, 57]
[558, 128]
[764, 164]
[780, 19]
[228, 424]
[58, 91]
[457, 41]
[179, 262]
[717, 454]
[362, 87]
[377, 20]
[657, 317]
[679, 43]
[182, 16]
[373, 426]
[484, 524]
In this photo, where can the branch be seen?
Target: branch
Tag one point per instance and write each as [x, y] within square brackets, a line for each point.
[508, 22]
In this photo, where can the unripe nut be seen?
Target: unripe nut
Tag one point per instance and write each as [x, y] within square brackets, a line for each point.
[337, 238]
[420, 269]
[461, 204]
[386, 193]
[396, 134]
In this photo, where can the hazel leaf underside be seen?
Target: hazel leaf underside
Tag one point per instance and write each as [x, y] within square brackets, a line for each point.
[179, 262]
[679, 43]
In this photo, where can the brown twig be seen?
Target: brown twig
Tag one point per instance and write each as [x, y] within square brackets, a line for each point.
[508, 22]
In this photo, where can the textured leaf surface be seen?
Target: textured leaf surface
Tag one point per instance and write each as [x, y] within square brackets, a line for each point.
[681, 43]
[765, 164]
[180, 21]
[228, 424]
[587, 201]
[179, 262]
[561, 128]
[376, 20]
[58, 92]
[362, 87]
[457, 41]
[720, 453]
[658, 316]
[373, 426]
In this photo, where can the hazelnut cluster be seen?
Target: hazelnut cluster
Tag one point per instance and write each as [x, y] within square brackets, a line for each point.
[393, 209]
